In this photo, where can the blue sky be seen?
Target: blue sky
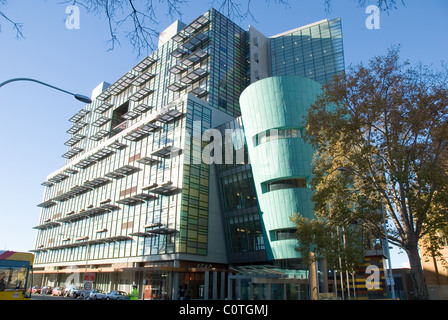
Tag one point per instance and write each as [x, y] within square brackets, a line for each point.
[35, 118]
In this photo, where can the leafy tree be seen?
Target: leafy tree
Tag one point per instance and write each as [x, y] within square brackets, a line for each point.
[380, 132]
[340, 245]
[138, 20]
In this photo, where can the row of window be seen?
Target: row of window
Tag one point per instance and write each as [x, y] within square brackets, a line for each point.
[276, 134]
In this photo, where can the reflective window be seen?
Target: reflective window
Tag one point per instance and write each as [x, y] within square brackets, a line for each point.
[286, 184]
[276, 134]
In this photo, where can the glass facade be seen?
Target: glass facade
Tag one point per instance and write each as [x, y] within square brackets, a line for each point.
[242, 220]
[136, 203]
[314, 52]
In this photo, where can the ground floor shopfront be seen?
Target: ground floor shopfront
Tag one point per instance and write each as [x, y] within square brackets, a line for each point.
[186, 280]
[180, 279]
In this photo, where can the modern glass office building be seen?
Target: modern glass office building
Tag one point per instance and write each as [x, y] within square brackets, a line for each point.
[147, 195]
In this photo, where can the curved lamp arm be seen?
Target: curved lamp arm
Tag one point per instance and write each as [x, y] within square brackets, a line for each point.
[79, 97]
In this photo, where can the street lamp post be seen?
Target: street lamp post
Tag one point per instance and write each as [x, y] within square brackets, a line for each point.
[386, 238]
[77, 96]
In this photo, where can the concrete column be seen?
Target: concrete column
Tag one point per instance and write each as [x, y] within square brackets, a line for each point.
[229, 288]
[215, 286]
[175, 289]
[268, 291]
[206, 284]
[223, 286]
[238, 289]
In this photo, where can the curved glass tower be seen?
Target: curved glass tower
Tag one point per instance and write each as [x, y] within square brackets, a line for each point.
[273, 111]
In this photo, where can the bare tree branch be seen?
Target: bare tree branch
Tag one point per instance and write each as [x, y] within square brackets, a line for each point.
[383, 5]
[17, 26]
[137, 21]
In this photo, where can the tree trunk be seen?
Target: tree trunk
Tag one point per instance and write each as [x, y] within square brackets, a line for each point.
[420, 290]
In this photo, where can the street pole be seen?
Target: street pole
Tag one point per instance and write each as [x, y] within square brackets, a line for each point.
[386, 239]
[77, 96]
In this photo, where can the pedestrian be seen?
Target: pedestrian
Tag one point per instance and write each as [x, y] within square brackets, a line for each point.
[134, 294]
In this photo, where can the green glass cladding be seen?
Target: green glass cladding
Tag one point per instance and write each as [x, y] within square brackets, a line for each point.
[315, 52]
[194, 218]
[280, 103]
[241, 214]
[228, 64]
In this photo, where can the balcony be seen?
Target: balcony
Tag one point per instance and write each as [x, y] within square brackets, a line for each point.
[179, 52]
[79, 115]
[83, 164]
[177, 69]
[127, 170]
[74, 140]
[72, 152]
[76, 127]
[121, 84]
[181, 36]
[47, 225]
[71, 171]
[85, 242]
[162, 230]
[163, 152]
[199, 92]
[130, 115]
[58, 178]
[100, 155]
[141, 79]
[196, 24]
[194, 57]
[177, 86]
[147, 160]
[130, 201]
[195, 41]
[96, 183]
[114, 175]
[140, 94]
[101, 121]
[77, 190]
[47, 204]
[168, 114]
[144, 64]
[141, 108]
[118, 145]
[122, 172]
[99, 135]
[136, 135]
[193, 76]
[90, 212]
[103, 107]
[145, 196]
[166, 189]
[150, 127]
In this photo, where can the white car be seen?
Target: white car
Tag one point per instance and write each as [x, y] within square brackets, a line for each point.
[68, 292]
[117, 295]
[97, 294]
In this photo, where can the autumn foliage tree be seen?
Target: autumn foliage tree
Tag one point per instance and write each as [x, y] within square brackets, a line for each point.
[380, 132]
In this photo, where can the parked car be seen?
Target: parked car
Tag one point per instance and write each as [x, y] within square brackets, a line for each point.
[58, 291]
[35, 289]
[77, 293]
[46, 290]
[117, 295]
[68, 292]
[96, 294]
